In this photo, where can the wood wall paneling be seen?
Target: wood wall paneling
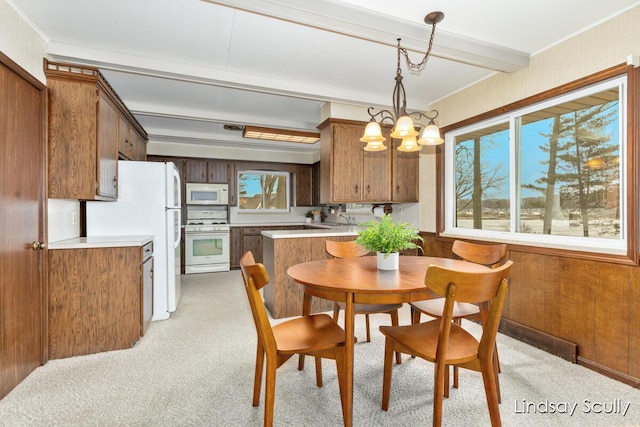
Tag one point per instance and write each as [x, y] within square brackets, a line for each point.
[587, 302]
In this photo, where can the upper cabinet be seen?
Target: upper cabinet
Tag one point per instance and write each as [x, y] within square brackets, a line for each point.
[89, 129]
[348, 174]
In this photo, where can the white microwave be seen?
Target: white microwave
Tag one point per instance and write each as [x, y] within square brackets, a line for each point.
[207, 194]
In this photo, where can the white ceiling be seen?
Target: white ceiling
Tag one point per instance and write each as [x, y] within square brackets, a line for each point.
[186, 67]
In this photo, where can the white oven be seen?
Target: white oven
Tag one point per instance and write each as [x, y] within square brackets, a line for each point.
[206, 194]
[206, 240]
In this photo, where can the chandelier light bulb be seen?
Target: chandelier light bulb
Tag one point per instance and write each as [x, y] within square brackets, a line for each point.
[404, 128]
[409, 144]
[373, 134]
[430, 135]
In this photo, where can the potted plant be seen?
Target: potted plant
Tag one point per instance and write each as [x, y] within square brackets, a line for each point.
[387, 239]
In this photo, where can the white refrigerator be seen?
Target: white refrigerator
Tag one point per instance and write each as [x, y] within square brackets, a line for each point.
[148, 204]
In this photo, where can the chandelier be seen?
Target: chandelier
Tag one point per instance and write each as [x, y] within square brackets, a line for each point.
[401, 120]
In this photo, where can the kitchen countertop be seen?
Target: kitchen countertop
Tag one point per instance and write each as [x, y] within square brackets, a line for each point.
[320, 232]
[100, 242]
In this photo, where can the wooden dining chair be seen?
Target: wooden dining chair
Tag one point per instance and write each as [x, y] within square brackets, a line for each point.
[351, 249]
[444, 342]
[316, 335]
[488, 255]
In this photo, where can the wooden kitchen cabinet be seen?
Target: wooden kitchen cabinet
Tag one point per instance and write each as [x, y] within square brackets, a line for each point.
[84, 116]
[405, 174]
[131, 145]
[98, 299]
[252, 241]
[243, 239]
[206, 171]
[303, 178]
[347, 172]
[235, 246]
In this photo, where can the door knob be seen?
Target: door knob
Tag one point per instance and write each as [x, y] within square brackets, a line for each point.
[38, 246]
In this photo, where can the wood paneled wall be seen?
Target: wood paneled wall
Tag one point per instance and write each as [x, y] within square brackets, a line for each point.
[593, 304]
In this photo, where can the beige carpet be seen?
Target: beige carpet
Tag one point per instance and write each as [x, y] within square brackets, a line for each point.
[196, 369]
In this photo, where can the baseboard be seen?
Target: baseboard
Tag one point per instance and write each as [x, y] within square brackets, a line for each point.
[554, 345]
[607, 372]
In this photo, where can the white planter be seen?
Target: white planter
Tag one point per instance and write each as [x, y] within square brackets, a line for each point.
[391, 262]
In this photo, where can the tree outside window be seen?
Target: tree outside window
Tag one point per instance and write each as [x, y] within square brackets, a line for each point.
[552, 169]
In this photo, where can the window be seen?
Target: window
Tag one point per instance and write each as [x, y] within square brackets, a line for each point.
[263, 191]
[551, 174]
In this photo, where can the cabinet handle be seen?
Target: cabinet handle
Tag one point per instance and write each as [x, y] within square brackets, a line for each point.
[115, 182]
[368, 189]
[356, 188]
[397, 188]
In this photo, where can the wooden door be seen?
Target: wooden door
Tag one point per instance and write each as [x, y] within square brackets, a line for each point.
[217, 172]
[22, 195]
[125, 140]
[107, 149]
[405, 165]
[347, 158]
[196, 171]
[376, 175]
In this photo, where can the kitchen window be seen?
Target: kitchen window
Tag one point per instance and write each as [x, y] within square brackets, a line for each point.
[263, 191]
[551, 174]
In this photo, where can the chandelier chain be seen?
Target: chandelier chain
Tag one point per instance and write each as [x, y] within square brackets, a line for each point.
[416, 68]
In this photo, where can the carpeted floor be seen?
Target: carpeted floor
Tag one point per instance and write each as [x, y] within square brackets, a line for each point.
[196, 369]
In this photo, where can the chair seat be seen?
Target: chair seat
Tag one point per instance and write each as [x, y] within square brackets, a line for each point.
[434, 307]
[318, 332]
[372, 308]
[421, 340]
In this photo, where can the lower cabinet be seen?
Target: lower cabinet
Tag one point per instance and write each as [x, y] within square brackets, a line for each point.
[99, 299]
[243, 239]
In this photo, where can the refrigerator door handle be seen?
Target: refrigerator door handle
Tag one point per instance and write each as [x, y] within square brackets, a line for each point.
[179, 225]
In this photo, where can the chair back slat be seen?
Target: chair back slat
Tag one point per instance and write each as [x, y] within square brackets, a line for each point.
[489, 255]
[255, 276]
[345, 249]
[471, 287]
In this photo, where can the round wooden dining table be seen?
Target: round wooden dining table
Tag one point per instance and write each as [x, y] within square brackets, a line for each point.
[358, 280]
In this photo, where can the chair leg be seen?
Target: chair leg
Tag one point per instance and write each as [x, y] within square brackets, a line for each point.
[269, 392]
[386, 373]
[395, 322]
[257, 379]
[438, 391]
[366, 317]
[491, 391]
[340, 366]
[496, 370]
[336, 312]
[415, 316]
[318, 371]
[446, 381]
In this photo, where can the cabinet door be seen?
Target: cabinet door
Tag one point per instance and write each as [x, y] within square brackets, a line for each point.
[107, 174]
[405, 166]
[146, 309]
[376, 176]
[124, 139]
[72, 135]
[196, 170]
[233, 184]
[217, 172]
[139, 147]
[253, 244]
[235, 246]
[347, 157]
[304, 185]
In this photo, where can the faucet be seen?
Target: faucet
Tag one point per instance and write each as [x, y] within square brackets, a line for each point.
[351, 222]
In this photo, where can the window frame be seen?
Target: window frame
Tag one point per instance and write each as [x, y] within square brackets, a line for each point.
[288, 178]
[628, 255]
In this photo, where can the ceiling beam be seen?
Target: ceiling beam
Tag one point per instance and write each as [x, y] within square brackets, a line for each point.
[364, 24]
